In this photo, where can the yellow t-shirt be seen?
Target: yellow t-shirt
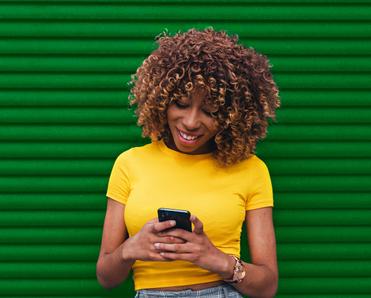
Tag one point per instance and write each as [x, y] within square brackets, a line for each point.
[152, 176]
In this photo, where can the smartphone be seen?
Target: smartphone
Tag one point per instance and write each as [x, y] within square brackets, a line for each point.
[182, 217]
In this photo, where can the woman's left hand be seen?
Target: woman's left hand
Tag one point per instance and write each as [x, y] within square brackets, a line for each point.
[197, 249]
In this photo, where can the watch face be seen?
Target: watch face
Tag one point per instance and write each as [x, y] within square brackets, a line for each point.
[238, 272]
[241, 274]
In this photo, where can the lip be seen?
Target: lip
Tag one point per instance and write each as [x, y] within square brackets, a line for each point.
[188, 142]
[188, 134]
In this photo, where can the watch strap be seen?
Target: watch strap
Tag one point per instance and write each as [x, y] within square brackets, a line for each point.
[238, 271]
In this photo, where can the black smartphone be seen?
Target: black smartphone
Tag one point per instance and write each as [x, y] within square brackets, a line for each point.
[182, 217]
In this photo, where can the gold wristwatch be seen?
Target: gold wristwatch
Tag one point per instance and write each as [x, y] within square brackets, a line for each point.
[238, 272]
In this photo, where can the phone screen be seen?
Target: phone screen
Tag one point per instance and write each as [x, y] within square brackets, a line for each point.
[180, 216]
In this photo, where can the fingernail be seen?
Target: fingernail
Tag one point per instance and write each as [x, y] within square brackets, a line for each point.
[157, 245]
[173, 222]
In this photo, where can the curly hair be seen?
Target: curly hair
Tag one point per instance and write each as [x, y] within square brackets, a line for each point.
[237, 79]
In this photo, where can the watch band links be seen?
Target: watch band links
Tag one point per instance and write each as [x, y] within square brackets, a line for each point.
[238, 271]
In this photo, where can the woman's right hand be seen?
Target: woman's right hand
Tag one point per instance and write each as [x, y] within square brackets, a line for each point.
[141, 245]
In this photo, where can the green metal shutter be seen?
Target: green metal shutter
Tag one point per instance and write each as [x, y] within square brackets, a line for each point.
[64, 119]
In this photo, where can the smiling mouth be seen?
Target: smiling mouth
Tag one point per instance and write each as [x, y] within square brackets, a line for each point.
[188, 138]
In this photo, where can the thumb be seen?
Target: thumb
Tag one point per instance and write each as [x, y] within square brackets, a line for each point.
[198, 226]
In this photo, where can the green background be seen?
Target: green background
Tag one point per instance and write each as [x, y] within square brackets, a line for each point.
[64, 118]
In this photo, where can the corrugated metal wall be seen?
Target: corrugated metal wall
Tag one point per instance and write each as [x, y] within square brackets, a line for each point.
[64, 119]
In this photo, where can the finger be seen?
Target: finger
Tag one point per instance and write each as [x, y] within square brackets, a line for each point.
[177, 256]
[163, 225]
[152, 221]
[180, 233]
[198, 226]
[170, 239]
[178, 248]
[149, 224]
[155, 256]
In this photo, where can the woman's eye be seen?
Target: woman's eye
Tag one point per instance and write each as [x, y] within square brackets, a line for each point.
[180, 105]
[210, 114]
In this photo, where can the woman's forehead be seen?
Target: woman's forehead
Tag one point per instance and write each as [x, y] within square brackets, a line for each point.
[202, 98]
[200, 95]
[207, 104]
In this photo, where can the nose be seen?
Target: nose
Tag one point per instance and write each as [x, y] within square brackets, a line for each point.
[191, 121]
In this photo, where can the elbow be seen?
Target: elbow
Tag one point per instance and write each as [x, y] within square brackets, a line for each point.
[108, 285]
[272, 291]
[101, 279]
[103, 283]
[269, 292]
[272, 288]
[273, 285]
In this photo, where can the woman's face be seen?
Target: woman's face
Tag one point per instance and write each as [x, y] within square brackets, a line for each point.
[192, 127]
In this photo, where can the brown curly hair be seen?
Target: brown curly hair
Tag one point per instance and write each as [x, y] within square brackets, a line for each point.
[237, 79]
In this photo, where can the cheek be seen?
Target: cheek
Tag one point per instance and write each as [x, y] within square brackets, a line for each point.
[213, 126]
[169, 114]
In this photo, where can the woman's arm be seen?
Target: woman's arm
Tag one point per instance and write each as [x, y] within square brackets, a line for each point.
[261, 279]
[112, 268]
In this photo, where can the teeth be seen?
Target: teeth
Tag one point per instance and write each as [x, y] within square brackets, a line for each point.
[187, 137]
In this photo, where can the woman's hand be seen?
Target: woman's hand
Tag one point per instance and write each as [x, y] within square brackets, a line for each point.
[197, 249]
[141, 245]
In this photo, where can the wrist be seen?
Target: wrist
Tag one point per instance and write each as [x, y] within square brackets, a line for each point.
[227, 267]
[238, 271]
[126, 254]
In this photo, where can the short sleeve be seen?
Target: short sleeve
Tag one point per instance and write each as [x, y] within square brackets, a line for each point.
[261, 194]
[119, 182]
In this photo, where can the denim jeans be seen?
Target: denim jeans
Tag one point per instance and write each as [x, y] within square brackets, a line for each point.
[222, 291]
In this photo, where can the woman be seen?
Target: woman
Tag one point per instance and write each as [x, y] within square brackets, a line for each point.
[204, 101]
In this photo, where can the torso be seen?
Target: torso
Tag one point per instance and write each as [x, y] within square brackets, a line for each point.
[159, 177]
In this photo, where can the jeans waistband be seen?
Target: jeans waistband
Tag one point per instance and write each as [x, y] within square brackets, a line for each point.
[220, 291]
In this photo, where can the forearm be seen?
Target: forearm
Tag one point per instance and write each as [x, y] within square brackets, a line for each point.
[259, 282]
[114, 268]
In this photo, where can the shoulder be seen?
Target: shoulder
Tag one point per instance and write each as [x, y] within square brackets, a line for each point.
[258, 163]
[254, 163]
[136, 153]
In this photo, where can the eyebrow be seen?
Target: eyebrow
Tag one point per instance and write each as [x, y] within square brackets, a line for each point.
[184, 99]
[209, 107]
